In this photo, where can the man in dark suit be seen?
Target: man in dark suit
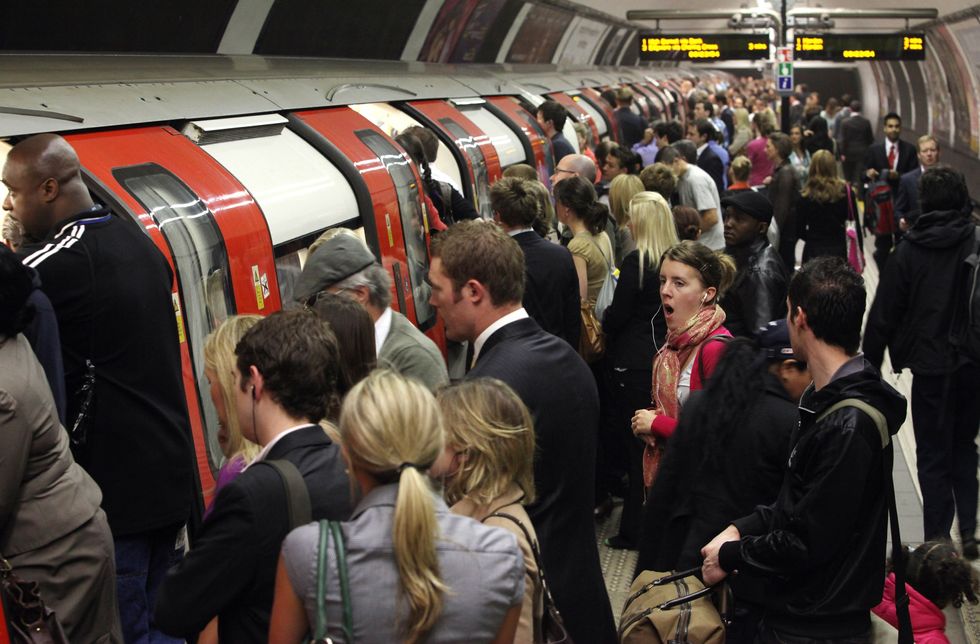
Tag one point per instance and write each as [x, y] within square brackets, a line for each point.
[477, 277]
[907, 201]
[551, 294]
[288, 365]
[631, 125]
[855, 137]
[888, 161]
[551, 117]
[704, 133]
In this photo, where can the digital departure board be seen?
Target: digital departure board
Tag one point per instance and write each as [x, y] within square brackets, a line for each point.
[849, 47]
[709, 47]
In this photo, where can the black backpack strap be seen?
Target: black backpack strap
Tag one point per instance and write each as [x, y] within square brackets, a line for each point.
[297, 494]
[898, 551]
[446, 191]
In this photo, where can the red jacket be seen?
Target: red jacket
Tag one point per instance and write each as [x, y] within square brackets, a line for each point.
[928, 621]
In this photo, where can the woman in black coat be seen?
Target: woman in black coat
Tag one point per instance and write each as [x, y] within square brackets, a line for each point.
[727, 456]
[635, 329]
[825, 205]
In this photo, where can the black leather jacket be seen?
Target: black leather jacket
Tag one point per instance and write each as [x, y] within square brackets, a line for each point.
[821, 544]
[759, 292]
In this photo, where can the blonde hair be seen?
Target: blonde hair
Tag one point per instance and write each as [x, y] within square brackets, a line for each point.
[621, 190]
[654, 230]
[220, 358]
[822, 183]
[392, 429]
[490, 424]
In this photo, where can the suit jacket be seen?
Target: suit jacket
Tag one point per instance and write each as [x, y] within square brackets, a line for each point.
[907, 199]
[855, 137]
[550, 287]
[631, 127]
[230, 570]
[559, 390]
[412, 354]
[876, 158]
[710, 162]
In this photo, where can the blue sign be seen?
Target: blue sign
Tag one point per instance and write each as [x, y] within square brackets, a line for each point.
[785, 83]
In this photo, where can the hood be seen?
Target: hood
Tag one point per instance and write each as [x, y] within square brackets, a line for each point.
[941, 229]
[865, 385]
[926, 616]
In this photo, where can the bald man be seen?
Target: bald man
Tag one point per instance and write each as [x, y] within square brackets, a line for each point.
[126, 412]
[572, 165]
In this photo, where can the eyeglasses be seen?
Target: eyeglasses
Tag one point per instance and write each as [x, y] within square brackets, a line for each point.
[557, 170]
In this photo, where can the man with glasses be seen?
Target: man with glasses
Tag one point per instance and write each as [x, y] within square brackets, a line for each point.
[343, 264]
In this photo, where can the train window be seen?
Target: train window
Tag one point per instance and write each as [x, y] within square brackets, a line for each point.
[480, 175]
[202, 267]
[413, 228]
[532, 123]
[504, 139]
[392, 121]
[299, 190]
[597, 117]
[569, 132]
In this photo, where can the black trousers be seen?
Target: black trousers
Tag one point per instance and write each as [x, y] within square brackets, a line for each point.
[629, 390]
[945, 418]
[883, 248]
[767, 635]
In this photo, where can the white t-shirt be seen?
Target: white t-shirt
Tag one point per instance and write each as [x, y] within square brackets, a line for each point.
[697, 189]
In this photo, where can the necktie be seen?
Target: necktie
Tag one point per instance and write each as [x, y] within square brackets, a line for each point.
[891, 157]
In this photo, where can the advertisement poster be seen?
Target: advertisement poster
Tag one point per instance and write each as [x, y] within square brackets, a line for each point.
[609, 53]
[539, 35]
[481, 19]
[960, 89]
[446, 30]
[967, 34]
[919, 96]
[580, 48]
[940, 104]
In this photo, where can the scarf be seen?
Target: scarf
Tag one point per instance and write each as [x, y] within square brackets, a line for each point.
[667, 366]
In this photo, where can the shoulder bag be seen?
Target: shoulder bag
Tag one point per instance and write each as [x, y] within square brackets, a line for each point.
[332, 529]
[608, 288]
[29, 620]
[855, 254]
[552, 627]
[591, 341]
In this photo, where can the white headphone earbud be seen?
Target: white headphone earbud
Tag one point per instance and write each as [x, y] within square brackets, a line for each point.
[703, 298]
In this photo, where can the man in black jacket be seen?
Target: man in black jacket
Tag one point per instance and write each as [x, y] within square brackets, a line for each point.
[907, 200]
[758, 294]
[477, 276]
[888, 161]
[855, 136]
[821, 544]
[551, 294]
[921, 290]
[630, 125]
[111, 291]
[551, 117]
[287, 370]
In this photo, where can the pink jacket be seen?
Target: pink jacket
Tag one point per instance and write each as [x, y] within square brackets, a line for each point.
[928, 621]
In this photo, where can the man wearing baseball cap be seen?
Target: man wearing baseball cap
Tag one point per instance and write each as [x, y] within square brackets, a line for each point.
[343, 264]
[759, 292]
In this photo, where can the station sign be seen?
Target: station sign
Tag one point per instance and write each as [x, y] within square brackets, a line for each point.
[851, 47]
[706, 47]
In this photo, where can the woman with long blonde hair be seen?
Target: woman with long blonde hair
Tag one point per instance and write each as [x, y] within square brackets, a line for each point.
[635, 328]
[825, 205]
[220, 368]
[488, 469]
[416, 571]
[621, 191]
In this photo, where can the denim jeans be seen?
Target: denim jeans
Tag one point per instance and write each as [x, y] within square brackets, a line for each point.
[142, 561]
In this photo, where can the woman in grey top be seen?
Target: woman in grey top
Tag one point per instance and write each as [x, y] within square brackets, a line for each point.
[417, 572]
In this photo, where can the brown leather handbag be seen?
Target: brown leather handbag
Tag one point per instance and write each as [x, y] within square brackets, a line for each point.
[591, 342]
[29, 621]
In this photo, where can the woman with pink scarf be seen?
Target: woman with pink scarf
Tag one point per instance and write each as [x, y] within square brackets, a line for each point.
[692, 280]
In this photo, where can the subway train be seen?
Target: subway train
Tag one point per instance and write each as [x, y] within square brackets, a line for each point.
[235, 166]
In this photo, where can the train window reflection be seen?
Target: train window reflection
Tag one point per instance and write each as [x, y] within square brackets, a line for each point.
[479, 163]
[597, 117]
[504, 139]
[413, 224]
[201, 261]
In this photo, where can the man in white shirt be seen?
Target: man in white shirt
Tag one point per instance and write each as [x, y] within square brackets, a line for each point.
[697, 189]
[343, 264]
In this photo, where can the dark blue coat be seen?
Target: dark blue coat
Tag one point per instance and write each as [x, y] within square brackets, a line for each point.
[551, 294]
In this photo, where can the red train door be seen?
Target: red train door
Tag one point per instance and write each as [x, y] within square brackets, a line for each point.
[213, 234]
[394, 194]
[604, 109]
[478, 153]
[577, 112]
[510, 108]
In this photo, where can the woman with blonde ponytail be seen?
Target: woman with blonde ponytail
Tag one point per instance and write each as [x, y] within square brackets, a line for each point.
[417, 572]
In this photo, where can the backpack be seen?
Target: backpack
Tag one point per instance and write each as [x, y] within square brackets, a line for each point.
[446, 192]
[965, 331]
[879, 210]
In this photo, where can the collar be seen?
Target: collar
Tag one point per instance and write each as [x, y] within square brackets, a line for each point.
[481, 339]
[851, 367]
[382, 327]
[95, 215]
[701, 148]
[387, 495]
[515, 232]
[268, 447]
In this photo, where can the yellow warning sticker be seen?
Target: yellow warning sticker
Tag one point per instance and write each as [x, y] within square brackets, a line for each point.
[181, 335]
[257, 283]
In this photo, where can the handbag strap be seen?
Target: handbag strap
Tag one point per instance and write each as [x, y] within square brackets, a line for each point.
[320, 631]
[850, 206]
[331, 530]
[535, 553]
[297, 494]
[340, 551]
[609, 264]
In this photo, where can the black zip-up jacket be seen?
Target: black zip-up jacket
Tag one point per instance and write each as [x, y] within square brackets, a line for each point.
[918, 294]
[758, 294]
[822, 543]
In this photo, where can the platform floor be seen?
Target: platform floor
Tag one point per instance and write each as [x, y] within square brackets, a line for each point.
[963, 626]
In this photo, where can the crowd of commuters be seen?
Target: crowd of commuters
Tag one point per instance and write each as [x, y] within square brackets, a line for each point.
[365, 495]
